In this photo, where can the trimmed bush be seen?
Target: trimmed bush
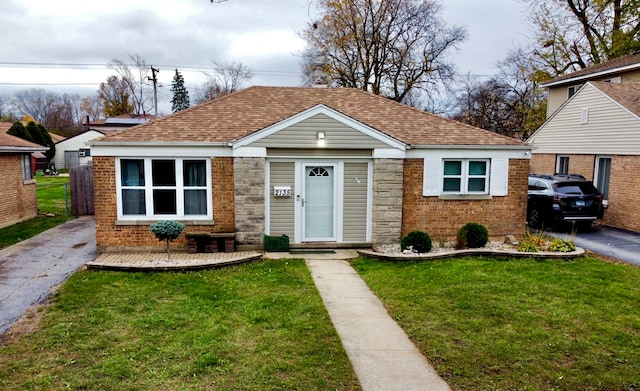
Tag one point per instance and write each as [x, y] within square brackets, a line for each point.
[167, 230]
[419, 241]
[472, 235]
[276, 243]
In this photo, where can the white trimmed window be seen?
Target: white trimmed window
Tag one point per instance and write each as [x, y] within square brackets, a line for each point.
[465, 176]
[162, 188]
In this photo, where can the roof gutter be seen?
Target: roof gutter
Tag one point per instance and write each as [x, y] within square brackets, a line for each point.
[7, 149]
[155, 144]
[472, 147]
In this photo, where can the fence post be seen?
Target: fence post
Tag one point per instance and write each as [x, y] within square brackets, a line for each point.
[66, 197]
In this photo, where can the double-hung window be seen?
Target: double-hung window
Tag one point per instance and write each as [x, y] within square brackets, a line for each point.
[164, 188]
[465, 176]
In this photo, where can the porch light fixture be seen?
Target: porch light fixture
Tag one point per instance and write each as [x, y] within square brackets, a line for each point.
[320, 139]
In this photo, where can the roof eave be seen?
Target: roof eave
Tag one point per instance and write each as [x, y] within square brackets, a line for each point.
[474, 147]
[157, 144]
[7, 149]
[589, 76]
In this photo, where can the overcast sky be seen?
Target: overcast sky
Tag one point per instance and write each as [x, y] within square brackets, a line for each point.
[65, 45]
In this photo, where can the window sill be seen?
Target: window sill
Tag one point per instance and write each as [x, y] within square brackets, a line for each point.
[149, 222]
[28, 181]
[465, 197]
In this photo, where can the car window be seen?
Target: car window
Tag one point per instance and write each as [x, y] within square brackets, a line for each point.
[537, 185]
[576, 188]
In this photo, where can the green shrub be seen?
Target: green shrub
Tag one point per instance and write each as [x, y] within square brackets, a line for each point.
[472, 235]
[528, 247]
[419, 241]
[562, 246]
[167, 230]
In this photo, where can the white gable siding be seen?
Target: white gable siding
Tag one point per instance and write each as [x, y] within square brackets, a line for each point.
[610, 129]
[74, 144]
[304, 135]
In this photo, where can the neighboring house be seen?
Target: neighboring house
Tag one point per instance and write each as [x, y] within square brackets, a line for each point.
[596, 133]
[17, 186]
[120, 122]
[623, 69]
[74, 151]
[332, 167]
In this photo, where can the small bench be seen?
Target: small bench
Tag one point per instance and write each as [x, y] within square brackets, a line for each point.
[211, 242]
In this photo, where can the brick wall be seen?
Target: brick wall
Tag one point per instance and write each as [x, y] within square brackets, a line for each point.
[19, 200]
[121, 237]
[441, 218]
[542, 163]
[387, 200]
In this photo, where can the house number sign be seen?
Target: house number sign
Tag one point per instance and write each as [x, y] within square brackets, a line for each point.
[282, 191]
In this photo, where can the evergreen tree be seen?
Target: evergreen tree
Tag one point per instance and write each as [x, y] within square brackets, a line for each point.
[18, 130]
[48, 142]
[35, 133]
[180, 100]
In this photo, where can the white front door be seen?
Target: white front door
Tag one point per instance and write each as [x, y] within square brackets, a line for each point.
[318, 203]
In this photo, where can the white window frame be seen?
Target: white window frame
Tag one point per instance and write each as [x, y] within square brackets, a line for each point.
[598, 176]
[465, 176]
[148, 187]
[559, 160]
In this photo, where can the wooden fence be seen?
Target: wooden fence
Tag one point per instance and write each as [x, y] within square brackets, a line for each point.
[81, 180]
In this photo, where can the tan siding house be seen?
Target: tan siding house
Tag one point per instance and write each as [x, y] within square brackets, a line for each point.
[326, 167]
[596, 133]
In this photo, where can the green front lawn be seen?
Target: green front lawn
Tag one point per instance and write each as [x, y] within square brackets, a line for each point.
[259, 326]
[511, 324]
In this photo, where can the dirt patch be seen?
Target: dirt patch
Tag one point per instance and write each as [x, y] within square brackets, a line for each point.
[29, 322]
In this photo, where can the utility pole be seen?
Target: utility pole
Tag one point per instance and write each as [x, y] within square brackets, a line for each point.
[155, 89]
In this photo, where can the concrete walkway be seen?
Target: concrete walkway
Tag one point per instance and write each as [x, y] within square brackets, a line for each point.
[381, 353]
[29, 269]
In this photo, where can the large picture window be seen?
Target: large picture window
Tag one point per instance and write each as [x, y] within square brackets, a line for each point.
[163, 188]
[465, 176]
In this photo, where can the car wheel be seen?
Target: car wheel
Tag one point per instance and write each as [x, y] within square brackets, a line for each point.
[534, 219]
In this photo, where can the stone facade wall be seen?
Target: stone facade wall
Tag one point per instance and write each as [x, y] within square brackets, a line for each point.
[441, 218]
[121, 236]
[249, 201]
[624, 185]
[387, 200]
[19, 202]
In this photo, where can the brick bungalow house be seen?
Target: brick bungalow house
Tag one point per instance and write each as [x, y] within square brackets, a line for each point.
[593, 129]
[17, 186]
[333, 167]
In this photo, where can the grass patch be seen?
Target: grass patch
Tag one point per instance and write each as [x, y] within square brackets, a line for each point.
[50, 192]
[259, 326]
[507, 324]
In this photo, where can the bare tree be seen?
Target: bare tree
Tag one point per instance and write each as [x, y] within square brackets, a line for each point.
[136, 78]
[574, 34]
[35, 102]
[92, 106]
[66, 114]
[5, 109]
[510, 103]
[388, 47]
[225, 79]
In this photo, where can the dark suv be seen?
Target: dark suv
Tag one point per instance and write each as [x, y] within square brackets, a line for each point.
[562, 198]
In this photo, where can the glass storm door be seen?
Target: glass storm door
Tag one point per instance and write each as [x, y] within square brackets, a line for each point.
[318, 204]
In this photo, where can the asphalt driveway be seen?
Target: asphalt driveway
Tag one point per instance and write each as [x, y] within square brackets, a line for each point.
[29, 269]
[608, 241]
